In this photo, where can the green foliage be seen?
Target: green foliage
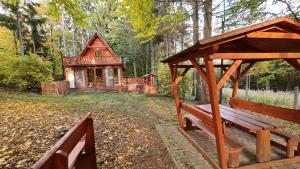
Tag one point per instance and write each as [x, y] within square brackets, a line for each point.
[146, 21]
[165, 83]
[164, 80]
[23, 72]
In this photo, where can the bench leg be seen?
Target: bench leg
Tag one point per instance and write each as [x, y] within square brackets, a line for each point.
[263, 146]
[233, 159]
[188, 124]
[290, 149]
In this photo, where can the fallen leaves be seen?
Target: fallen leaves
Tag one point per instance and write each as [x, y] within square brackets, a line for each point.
[123, 124]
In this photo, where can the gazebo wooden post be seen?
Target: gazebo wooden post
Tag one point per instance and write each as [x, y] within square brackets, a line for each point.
[176, 94]
[213, 94]
[236, 82]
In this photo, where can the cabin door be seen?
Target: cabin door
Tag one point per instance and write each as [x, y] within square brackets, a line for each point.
[109, 77]
[71, 78]
[80, 75]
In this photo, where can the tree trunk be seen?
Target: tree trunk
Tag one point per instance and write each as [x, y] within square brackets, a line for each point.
[33, 42]
[74, 41]
[63, 32]
[195, 18]
[134, 68]
[20, 34]
[207, 33]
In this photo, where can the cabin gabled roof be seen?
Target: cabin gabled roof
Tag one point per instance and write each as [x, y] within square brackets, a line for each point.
[257, 38]
[89, 59]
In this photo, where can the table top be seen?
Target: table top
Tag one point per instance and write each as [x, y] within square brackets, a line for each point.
[242, 119]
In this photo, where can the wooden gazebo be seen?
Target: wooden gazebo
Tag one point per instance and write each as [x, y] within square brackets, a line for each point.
[275, 39]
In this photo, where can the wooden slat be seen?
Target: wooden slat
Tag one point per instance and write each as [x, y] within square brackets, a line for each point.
[273, 111]
[203, 66]
[255, 56]
[198, 113]
[285, 135]
[231, 144]
[75, 153]
[244, 124]
[260, 121]
[228, 73]
[200, 71]
[273, 35]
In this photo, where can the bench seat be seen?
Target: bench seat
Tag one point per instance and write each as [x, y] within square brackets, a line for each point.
[232, 147]
[291, 142]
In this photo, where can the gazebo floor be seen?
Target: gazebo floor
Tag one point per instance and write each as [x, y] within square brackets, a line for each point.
[185, 155]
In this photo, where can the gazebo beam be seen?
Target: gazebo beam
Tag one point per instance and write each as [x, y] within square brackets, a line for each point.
[228, 73]
[216, 113]
[202, 66]
[200, 71]
[273, 35]
[246, 69]
[250, 56]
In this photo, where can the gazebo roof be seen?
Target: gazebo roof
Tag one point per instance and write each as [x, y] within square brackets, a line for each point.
[267, 40]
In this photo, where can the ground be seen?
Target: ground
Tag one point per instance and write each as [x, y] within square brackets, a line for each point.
[124, 127]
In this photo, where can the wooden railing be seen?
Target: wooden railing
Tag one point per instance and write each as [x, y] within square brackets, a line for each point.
[75, 149]
[139, 80]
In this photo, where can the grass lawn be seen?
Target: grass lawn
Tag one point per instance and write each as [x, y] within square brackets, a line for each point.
[124, 127]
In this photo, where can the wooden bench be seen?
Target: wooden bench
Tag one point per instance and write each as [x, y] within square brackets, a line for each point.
[233, 148]
[277, 112]
[75, 149]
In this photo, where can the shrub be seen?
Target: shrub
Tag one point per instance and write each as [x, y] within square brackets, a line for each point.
[23, 72]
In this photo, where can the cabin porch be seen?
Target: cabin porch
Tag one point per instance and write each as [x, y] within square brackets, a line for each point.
[95, 78]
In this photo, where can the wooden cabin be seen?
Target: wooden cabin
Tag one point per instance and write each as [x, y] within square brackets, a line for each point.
[96, 68]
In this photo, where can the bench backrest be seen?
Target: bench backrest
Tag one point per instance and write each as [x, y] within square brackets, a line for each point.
[291, 115]
[65, 152]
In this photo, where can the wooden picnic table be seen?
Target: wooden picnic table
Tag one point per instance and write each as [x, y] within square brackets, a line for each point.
[250, 123]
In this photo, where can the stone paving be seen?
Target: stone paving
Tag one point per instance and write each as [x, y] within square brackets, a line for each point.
[185, 156]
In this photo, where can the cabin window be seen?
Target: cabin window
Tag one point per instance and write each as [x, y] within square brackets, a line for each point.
[97, 53]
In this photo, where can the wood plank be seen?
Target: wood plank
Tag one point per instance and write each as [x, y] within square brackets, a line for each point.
[255, 56]
[75, 153]
[202, 66]
[228, 73]
[263, 123]
[200, 71]
[273, 35]
[274, 163]
[244, 124]
[198, 113]
[273, 111]
[230, 143]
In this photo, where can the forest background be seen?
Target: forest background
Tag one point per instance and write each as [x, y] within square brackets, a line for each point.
[35, 34]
